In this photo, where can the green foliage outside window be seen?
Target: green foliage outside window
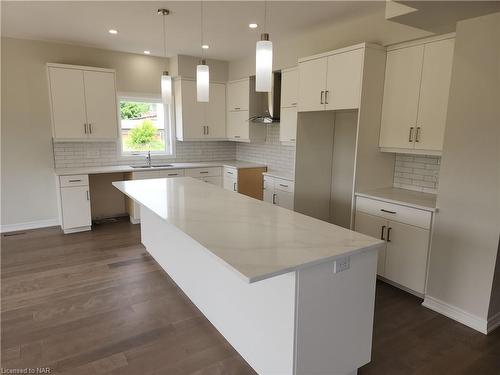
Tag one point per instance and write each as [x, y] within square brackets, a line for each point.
[131, 110]
[144, 137]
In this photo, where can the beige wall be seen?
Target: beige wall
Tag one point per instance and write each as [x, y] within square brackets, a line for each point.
[28, 182]
[370, 28]
[465, 240]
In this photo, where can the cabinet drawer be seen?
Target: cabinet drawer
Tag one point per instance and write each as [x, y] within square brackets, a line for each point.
[283, 185]
[74, 180]
[167, 173]
[394, 212]
[203, 172]
[230, 172]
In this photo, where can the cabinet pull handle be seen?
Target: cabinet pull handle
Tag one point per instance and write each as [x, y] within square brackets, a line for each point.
[88, 195]
[203, 171]
[75, 180]
[326, 96]
[417, 134]
[410, 136]
[90, 128]
[283, 185]
[234, 186]
[389, 234]
[292, 139]
[321, 97]
[236, 108]
[387, 211]
[237, 136]
[293, 104]
[208, 129]
[85, 128]
[274, 198]
[172, 174]
[229, 172]
[382, 233]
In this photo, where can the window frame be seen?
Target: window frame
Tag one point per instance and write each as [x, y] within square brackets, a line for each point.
[169, 127]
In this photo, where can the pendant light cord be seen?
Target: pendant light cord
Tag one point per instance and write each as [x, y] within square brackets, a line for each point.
[265, 16]
[201, 30]
[165, 35]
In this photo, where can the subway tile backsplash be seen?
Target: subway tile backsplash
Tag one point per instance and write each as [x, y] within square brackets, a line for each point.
[417, 172]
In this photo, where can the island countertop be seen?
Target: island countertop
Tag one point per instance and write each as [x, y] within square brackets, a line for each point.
[257, 239]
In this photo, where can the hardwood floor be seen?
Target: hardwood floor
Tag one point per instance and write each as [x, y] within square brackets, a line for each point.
[96, 303]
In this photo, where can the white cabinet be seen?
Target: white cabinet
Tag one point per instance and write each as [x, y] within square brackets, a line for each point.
[279, 191]
[331, 81]
[230, 179]
[238, 95]
[289, 99]
[83, 103]
[75, 203]
[238, 126]
[211, 175]
[199, 121]
[406, 232]
[416, 88]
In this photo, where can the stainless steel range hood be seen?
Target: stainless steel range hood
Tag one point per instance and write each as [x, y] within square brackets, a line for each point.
[266, 105]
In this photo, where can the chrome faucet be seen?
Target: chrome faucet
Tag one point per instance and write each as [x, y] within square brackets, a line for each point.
[148, 158]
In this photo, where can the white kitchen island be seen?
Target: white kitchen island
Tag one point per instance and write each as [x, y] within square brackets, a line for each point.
[269, 279]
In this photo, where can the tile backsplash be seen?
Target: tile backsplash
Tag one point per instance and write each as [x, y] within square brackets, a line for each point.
[272, 152]
[417, 172]
[91, 154]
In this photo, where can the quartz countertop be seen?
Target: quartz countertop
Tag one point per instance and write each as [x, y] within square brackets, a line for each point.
[256, 239]
[238, 164]
[286, 175]
[416, 199]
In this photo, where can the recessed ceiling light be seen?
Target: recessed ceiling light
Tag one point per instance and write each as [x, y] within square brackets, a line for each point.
[113, 31]
[253, 25]
[205, 46]
[147, 52]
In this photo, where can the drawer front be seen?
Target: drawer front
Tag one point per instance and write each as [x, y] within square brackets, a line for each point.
[230, 172]
[394, 212]
[283, 185]
[74, 180]
[203, 172]
[167, 173]
[144, 175]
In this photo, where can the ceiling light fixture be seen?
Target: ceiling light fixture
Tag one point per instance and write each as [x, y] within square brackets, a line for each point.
[202, 70]
[264, 60]
[253, 25]
[166, 79]
[146, 52]
[113, 31]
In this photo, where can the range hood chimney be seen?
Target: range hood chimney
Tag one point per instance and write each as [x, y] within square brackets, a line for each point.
[266, 105]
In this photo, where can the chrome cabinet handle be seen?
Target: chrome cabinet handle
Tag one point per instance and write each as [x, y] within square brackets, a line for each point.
[237, 136]
[208, 130]
[203, 172]
[326, 96]
[382, 233]
[387, 211]
[283, 185]
[410, 136]
[237, 108]
[229, 172]
[85, 128]
[389, 234]
[75, 180]
[321, 97]
[234, 186]
[274, 198]
[88, 195]
[293, 104]
[172, 174]
[417, 134]
[90, 128]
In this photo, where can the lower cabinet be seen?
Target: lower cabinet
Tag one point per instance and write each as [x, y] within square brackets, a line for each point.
[279, 191]
[404, 258]
[75, 203]
[246, 181]
[230, 179]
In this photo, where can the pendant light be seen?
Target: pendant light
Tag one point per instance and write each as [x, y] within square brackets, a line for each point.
[166, 79]
[264, 60]
[202, 70]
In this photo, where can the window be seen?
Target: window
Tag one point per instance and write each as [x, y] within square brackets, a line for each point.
[145, 126]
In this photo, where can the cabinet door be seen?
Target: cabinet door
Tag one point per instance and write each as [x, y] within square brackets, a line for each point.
[268, 189]
[100, 100]
[193, 112]
[288, 124]
[434, 92]
[68, 103]
[407, 248]
[216, 111]
[75, 205]
[289, 88]
[312, 85]
[375, 227]
[230, 184]
[238, 126]
[238, 95]
[344, 80]
[401, 90]
[284, 199]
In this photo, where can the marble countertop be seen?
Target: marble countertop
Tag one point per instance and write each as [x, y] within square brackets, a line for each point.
[416, 199]
[256, 239]
[286, 175]
[238, 164]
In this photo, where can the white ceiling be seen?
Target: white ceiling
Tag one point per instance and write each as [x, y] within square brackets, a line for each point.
[140, 28]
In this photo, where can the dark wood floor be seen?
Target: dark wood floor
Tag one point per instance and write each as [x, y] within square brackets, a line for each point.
[96, 303]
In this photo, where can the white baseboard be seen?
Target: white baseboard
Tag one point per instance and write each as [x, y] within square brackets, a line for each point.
[493, 322]
[455, 313]
[5, 228]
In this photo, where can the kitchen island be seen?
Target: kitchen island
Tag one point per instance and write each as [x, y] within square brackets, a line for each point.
[292, 294]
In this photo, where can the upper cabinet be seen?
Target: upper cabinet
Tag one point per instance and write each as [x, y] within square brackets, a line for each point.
[83, 103]
[238, 95]
[331, 81]
[416, 89]
[199, 121]
[289, 99]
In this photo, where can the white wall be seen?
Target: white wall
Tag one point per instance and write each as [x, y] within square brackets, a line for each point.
[465, 240]
[28, 183]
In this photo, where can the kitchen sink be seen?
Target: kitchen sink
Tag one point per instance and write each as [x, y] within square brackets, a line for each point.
[152, 166]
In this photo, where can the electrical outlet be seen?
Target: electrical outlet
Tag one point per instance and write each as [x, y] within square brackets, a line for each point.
[341, 264]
